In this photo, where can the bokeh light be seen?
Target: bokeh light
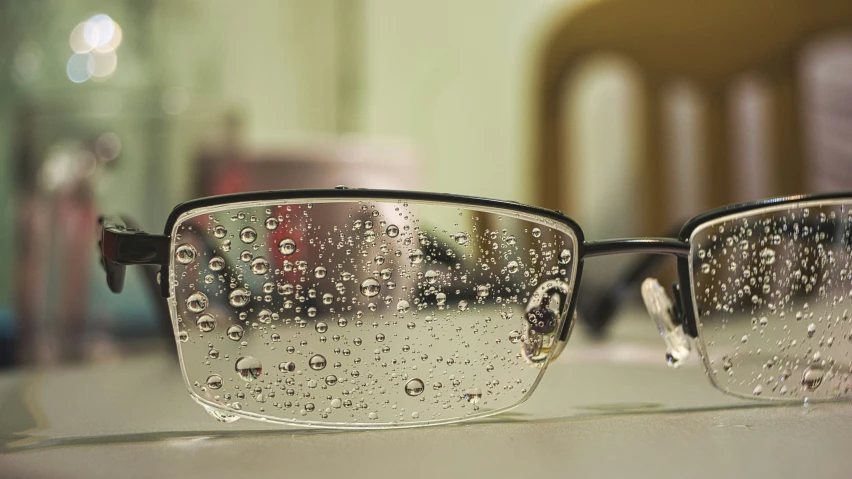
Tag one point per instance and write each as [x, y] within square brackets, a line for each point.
[94, 43]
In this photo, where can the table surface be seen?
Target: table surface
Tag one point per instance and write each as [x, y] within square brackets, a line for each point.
[602, 409]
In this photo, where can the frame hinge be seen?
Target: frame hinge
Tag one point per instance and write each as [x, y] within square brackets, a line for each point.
[123, 245]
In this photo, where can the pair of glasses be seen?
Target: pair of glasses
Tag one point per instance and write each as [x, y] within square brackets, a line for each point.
[352, 308]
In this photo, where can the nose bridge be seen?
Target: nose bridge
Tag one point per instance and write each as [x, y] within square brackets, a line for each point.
[657, 246]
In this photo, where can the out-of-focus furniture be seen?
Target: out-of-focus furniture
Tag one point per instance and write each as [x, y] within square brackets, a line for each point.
[709, 44]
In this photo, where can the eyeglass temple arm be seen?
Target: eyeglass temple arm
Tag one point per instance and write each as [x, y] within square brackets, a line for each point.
[599, 311]
[121, 245]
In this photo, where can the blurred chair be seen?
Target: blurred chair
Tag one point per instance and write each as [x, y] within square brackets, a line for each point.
[708, 44]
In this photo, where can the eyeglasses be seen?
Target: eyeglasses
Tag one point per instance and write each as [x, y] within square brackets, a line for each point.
[352, 308]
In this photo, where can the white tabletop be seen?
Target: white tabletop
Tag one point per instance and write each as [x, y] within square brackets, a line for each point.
[602, 410]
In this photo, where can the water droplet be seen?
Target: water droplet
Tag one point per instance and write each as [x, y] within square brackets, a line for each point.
[411, 325]
[472, 395]
[235, 332]
[327, 298]
[206, 323]
[462, 238]
[565, 256]
[226, 245]
[248, 235]
[463, 305]
[414, 387]
[216, 263]
[248, 368]
[483, 290]
[185, 253]
[416, 257]
[511, 240]
[183, 336]
[373, 415]
[370, 287]
[320, 272]
[287, 246]
[380, 337]
[357, 341]
[757, 390]
[264, 316]
[392, 231]
[536, 232]
[214, 381]
[287, 367]
[812, 377]
[271, 223]
[767, 256]
[317, 362]
[436, 386]
[811, 330]
[197, 302]
[259, 266]
[246, 256]
[402, 306]
[336, 403]
[321, 327]
[441, 299]
[275, 337]
[514, 337]
[219, 231]
[331, 379]
[431, 276]
[705, 268]
[239, 297]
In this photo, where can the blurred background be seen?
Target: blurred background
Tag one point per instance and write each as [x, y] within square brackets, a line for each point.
[628, 115]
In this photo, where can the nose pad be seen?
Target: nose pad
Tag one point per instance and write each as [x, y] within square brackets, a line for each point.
[660, 309]
[560, 344]
[545, 309]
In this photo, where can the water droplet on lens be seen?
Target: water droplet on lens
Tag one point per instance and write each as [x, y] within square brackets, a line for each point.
[219, 231]
[246, 256]
[235, 332]
[565, 256]
[331, 379]
[185, 253]
[511, 240]
[183, 336]
[321, 327]
[416, 256]
[287, 367]
[271, 223]
[431, 276]
[287, 246]
[462, 305]
[536, 232]
[197, 302]
[214, 381]
[264, 316]
[705, 268]
[380, 337]
[206, 323]
[462, 238]
[483, 290]
[812, 377]
[248, 368]
[767, 256]
[216, 263]
[402, 306]
[392, 231]
[514, 337]
[757, 390]
[370, 236]
[259, 266]
[327, 298]
[370, 287]
[239, 298]
[441, 299]
[248, 235]
[414, 387]
[336, 403]
[226, 245]
[811, 330]
[472, 395]
[320, 272]
[317, 362]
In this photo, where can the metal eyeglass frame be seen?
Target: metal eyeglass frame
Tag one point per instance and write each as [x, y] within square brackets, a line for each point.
[122, 245]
